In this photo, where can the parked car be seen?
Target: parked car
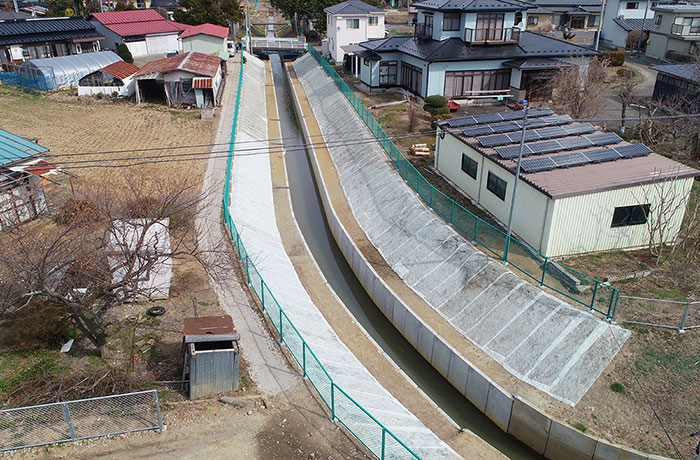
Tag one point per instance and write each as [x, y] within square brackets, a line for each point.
[452, 105]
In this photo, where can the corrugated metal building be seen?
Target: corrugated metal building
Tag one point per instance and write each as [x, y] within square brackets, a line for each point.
[580, 191]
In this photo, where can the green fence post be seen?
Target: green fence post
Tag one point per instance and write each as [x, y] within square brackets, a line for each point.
[383, 442]
[281, 340]
[418, 188]
[476, 227]
[595, 291]
[332, 400]
[616, 297]
[303, 358]
[247, 271]
[431, 195]
[544, 270]
[452, 210]
[262, 293]
[507, 249]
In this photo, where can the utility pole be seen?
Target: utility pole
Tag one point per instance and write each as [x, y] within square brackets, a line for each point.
[644, 23]
[600, 25]
[515, 185]
[247, 27]
[14, 3]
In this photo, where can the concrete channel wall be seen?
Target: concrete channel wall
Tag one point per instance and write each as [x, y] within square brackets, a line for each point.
[554, 440]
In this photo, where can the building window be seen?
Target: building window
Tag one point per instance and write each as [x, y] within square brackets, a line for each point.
[411, 77]
[593, 21]
[496, 185]
[374, 20]
[489, 27]
[686, 26]
[532, 20]
[469, 166]
[632, 5]
[388, 71]
[630, 215]
[474, 82]
[657, 19]
[450, 22]
[352, 23]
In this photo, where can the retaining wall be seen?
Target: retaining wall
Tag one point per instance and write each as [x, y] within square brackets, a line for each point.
[511, 413]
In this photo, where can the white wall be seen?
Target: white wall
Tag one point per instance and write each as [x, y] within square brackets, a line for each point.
[339, 34]
[127, 89]
[162, 43]
[138, 48]
[582, 223]
[206, 44]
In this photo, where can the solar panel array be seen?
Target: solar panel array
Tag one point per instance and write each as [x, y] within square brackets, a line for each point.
[568, 160]
[537, 134]
[553, 146]
[496, 117]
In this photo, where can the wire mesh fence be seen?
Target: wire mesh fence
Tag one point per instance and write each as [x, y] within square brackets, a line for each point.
[580, 288]
[367, 429]
[79, 419]
[670, 314]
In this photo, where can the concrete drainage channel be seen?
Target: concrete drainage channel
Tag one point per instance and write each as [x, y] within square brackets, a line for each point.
[311, 219]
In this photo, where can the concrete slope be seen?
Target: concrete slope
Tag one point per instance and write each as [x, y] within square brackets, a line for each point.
[253, 211]
[540, 339]
[266, 364]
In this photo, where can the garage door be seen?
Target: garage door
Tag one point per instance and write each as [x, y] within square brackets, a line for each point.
[157, 44]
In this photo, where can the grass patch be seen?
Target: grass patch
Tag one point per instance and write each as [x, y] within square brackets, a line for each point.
[617, 387]
[580, 426]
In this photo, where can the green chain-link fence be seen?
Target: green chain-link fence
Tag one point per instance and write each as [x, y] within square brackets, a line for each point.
[367, 429]
[579, 287]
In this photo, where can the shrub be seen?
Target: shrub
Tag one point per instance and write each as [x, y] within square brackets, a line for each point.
[680, 57]
[580, 426]
[624, 72]
[617, 387]
[99, 95]
[436, 110]
[615, 58]
[124, 53]
[436, 100]
[444, 116]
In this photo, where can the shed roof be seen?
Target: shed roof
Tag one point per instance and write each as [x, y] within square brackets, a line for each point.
[120, 69]
[137, 22]
[591, 177]
[46, 29]
[123, 17]
[208, 325]
[14, 148]
[689, 72]
[194, 62]
[206, 29]
[7, 15]
[634, 24]
[474, 5]
[353, 7]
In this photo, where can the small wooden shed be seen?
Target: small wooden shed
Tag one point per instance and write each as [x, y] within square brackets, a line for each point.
[211, 355]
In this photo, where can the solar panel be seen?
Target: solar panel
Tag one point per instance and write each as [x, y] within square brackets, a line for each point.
[488, 118]
[601, 155]
[604, 138]
[474, 131]
[529, 136]
[512, 151]
[569, 159]
[537, 112]
[583, 128]
[494, 140]
[549, 133]
[537, 164]
[460, 122]
[573, 143]
[544, 147]
[633, 150]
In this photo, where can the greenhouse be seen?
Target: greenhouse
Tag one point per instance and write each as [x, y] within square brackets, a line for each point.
[59, 72]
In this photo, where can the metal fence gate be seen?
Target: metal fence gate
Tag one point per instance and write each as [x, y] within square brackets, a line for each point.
[80, 419]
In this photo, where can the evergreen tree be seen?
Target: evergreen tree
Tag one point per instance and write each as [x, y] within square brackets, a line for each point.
[124, 53]
[219, 12]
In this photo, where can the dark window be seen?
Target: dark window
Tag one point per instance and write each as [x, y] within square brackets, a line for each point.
[657, 19]
[374, 20]
[450, 22]
[489, 27]
[475, 82]
[532, 20]
[496, 185]
[630, 215]
[632, 5]
[411, 77]
[593, 21]
[469, 166]
[388, 72]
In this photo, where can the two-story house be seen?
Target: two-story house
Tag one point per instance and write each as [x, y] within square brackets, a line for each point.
[623, 16]
[467, 48]
[352, 22]
[576, 15]
[676, 28]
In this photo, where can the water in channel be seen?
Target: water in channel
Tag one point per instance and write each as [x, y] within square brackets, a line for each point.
[308, 211]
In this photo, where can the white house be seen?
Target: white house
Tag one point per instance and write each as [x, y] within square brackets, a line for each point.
[114, 78]
[350, 23]
[580, 190]
[205, 38]
[143, 31]
[676, 29]
[623, 16]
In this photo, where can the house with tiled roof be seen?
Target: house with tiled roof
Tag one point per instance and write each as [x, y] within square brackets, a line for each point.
[205, 38]
[145, 32]
[676, 30]
[36, 38]
[184, 79]
[118, 78]
[678, 83]
[351, 22]
[552, 15]
[624, 16]
[467, 48]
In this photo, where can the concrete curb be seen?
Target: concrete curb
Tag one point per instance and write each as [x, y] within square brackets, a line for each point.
[548, 437]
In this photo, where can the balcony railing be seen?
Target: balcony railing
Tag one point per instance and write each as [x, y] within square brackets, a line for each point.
[424, 31]
[492, 36]
[680, 29]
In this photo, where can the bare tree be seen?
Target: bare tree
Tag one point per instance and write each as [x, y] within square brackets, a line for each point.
[627, 82]
[97, 252]
[663, 202]
[578, 89]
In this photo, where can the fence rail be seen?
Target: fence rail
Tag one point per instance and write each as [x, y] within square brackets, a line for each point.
[80, 419]
[579, 287]
[670, 314]
[377, 438]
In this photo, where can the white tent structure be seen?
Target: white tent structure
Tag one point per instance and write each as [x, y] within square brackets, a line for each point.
[64, 71]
